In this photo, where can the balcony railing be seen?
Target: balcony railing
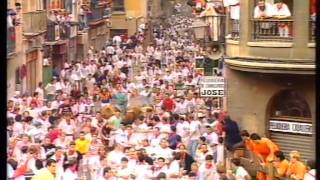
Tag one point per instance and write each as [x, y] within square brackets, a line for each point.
[312, 29]
[11, 40]
[272, 29]
[35, 22]
[118, 8]
[57, 31]
[96, 14]
[234, 30]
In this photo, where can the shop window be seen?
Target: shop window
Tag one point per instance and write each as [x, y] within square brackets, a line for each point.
[290, 104]
[272, 20]
[118, 5]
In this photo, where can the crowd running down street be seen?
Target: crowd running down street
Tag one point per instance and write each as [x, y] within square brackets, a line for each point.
[119, 115]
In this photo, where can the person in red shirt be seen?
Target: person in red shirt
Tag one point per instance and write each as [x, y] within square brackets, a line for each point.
[168, 104]
[53, 133]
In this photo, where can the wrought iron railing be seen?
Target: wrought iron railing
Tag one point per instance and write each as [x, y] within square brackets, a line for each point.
[57, 31]
[312, 29]
[272, 29]
[11, 40]
[34, 22]
[96, 14]
[118, 8]
[216, 28]
[234, 29]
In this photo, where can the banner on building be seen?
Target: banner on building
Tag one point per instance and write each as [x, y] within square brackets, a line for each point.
[290, 127]
[212, 86]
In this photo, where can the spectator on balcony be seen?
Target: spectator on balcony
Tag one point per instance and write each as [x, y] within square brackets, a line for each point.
[263, 10]
[233, 6]
[281, 11]
[11, 18]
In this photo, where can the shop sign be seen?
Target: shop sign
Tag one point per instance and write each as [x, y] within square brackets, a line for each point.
[212, 86]
[290, 127]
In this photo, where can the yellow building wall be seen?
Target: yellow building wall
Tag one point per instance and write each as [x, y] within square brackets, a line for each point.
[135, 14]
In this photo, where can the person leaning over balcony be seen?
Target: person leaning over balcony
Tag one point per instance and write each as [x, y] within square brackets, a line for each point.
[281, 11]
[262, 11]
[233, 6]
[296, 169]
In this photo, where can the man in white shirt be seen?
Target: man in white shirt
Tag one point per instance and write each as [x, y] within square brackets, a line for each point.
[124, 171]
[281, 11]
[263, 10]
[194, 135]
[163, 150]
[239, 171]
[70, 173]
[114, 157]
[160, 167]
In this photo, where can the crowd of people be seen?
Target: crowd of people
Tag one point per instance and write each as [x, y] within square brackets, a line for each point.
[61, 130]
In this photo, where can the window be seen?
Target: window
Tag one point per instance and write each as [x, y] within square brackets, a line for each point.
[289, 103]
[272, 20]
[118, 5]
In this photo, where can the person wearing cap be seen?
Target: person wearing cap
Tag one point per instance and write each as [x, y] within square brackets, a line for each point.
[296, 169]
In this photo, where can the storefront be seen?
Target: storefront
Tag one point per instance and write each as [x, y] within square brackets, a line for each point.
[290, 124]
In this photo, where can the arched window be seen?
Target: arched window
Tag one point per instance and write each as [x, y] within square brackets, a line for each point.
[290, 104]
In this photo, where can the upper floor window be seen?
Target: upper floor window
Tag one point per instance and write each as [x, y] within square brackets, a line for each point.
[272, 20]
[289, 103]
[118, 5]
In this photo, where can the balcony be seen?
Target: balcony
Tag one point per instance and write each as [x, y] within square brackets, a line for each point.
[312, 29]
[96, 14]
[234, 30]
[34, 22]
[56, 32]
[118, 8]
[11, 40]
[272, 29]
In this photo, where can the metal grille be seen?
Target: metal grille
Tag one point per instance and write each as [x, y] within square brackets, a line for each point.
[290, 142]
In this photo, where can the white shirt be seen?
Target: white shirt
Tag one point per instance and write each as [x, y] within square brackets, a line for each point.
[195, 129]
[69, 175]
[174, 168]
[269, 11]
[234, 9]
[142, 172]
[241, 172]
[311, 175]
[124, 172]
[164, 153]
[114, 158]
[283, 11]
